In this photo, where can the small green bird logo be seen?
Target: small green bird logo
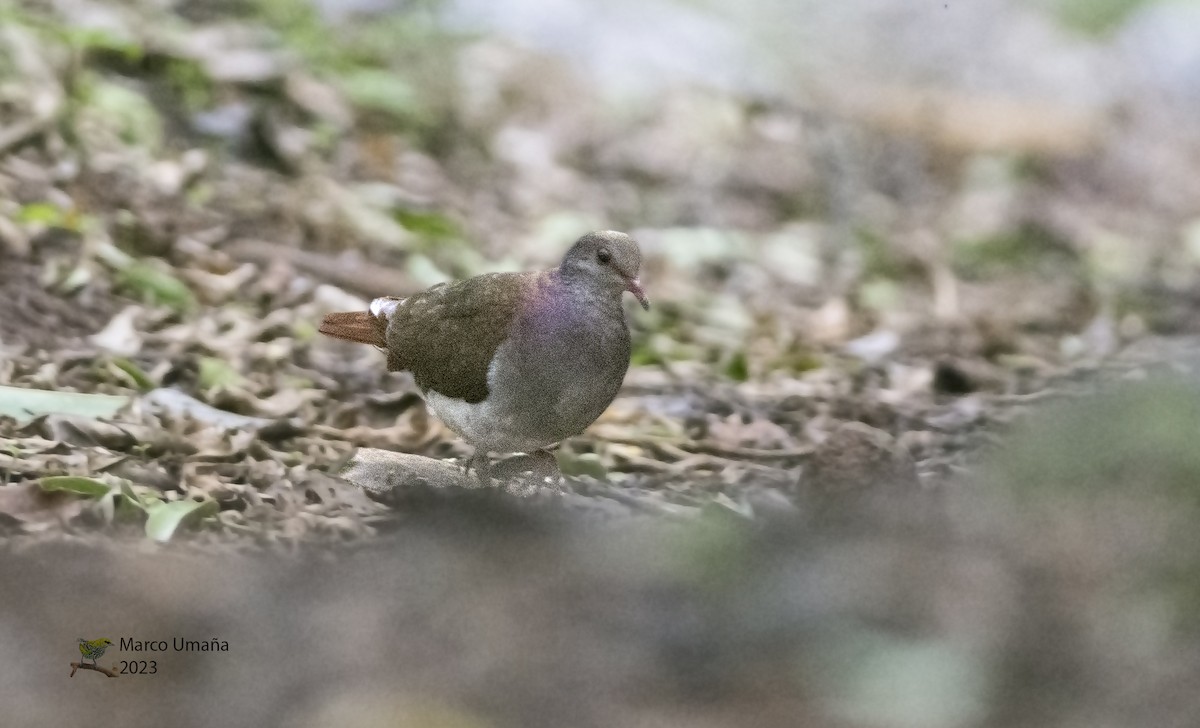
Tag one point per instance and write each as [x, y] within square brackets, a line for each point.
[93, 649]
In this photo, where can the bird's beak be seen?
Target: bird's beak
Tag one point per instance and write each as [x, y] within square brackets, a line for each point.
[634, 286]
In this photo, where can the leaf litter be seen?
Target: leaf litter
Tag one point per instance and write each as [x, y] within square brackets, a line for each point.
[158, 323]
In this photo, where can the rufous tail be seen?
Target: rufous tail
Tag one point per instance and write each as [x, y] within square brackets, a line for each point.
[362, 327]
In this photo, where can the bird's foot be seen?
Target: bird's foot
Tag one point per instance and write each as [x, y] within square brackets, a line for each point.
[544, 464]
[535, 468]
[483, 467]
[546, 469]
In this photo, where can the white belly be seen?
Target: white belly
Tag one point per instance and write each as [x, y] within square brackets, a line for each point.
[485, 424]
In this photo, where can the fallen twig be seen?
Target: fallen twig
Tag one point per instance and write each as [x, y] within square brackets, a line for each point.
[383, 472]
[361, 277]
[672, 445]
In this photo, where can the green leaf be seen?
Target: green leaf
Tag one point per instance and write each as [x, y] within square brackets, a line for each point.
[582, 464]
[1028, 248]
[383, 91]
[26, 404]
[738, 369]
[157, 285]
[41, 212]
[165, 518]
[190, 81]
[105, 40]
[429, 225]
[76, 484]
[217, 373]
[303, 331]
[140, 496]
[128, 114]
[1093, 17]
[139, 377]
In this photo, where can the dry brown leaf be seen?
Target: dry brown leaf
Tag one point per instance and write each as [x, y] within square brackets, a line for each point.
[29, 504]
[732, 431]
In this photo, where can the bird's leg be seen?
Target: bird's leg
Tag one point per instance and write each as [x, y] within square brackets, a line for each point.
[483, 466]
[544, 463]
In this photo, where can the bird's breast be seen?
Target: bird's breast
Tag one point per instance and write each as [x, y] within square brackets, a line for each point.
[559, 372]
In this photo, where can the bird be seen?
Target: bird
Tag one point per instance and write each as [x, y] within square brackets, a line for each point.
[93, 649]
[513, 362]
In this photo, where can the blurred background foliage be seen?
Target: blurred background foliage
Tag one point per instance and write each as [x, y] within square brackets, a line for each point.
[801, 175]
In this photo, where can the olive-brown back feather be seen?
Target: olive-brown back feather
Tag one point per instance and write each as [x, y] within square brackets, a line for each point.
[447, 336]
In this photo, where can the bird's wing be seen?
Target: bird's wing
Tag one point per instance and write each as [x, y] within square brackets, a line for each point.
[446, 336]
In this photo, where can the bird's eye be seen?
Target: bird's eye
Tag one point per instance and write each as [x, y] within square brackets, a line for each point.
[603, 256]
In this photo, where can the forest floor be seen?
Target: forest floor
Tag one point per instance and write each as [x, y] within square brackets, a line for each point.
[893, 446]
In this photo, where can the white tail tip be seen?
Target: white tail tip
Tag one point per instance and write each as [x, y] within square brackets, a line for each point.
[384, 307]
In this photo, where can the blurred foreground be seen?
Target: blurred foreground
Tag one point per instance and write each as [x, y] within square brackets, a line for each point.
[1058, 588]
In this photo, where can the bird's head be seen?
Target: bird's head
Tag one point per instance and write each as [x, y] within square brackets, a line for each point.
[609, 260]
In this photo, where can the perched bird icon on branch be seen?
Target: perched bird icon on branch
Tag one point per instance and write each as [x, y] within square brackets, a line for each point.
[93, 649]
